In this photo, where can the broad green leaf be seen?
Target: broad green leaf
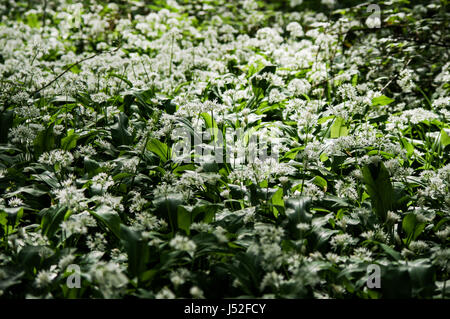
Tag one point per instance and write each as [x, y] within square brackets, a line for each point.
[10, 219]
[277, 200]
[422, 276]
[391, 252]
[297, 211]
[445, 139]
[184, 218]
[119, 132]
[159, 148]
[167, 207]
[382, 100]
[70, 141]
[412, 227]
[91, 166]
[109, 217]
[30, 190]
[379, 188]
[44, 141]
[338, 128]
[325, 119]
[63, 99]
[30, 257]
[321, 182]
[6, 122]
[355, 80]
[51, 220]
[408, 147]
[137, 249]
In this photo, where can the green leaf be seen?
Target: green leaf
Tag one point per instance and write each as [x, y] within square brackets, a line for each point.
[338, 128]
[382, 100]
[186, 215]
[119, 132]
[137, 250]
[91, 166]
[277, 200]
[379, 188]
[395, 281]
[62, 99]
[10, 218]
[30, 190]
[248, 271]
[30, 257]
[167, 206]
[445, 139]
[422, 276]
[51, 219]
[48, 178]
[185, 218]
[109, 217]
[321, 182]
[408, 147]
[297, 211]
[70, 141]
[391, 252]
[412, 227]
[6, 122]
[159, 148]
[209, 121]
[355, 80]
[44, 141]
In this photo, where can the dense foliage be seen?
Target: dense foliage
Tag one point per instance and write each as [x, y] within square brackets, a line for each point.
[354, 101]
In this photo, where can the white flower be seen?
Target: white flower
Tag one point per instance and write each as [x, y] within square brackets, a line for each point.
[299, 86]
[85, 151]
[66, 261]
[179, 276]
[60, 157]
[99, 97]
[196, 292]
[295, 3]
[225, 193]
[103, 181]
[165, 293]
[444, 234]
[138, 202]
[44, 278]
[78, 224]
[220, 233]
[15, 202]
[295, 29]
[183, 243]
[329, 3]
[343, 240]
[71, 197]
[418, 246]
[405, 80]
[272, 279]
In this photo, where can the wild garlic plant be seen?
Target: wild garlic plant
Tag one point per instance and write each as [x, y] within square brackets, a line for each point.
[221, 149]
